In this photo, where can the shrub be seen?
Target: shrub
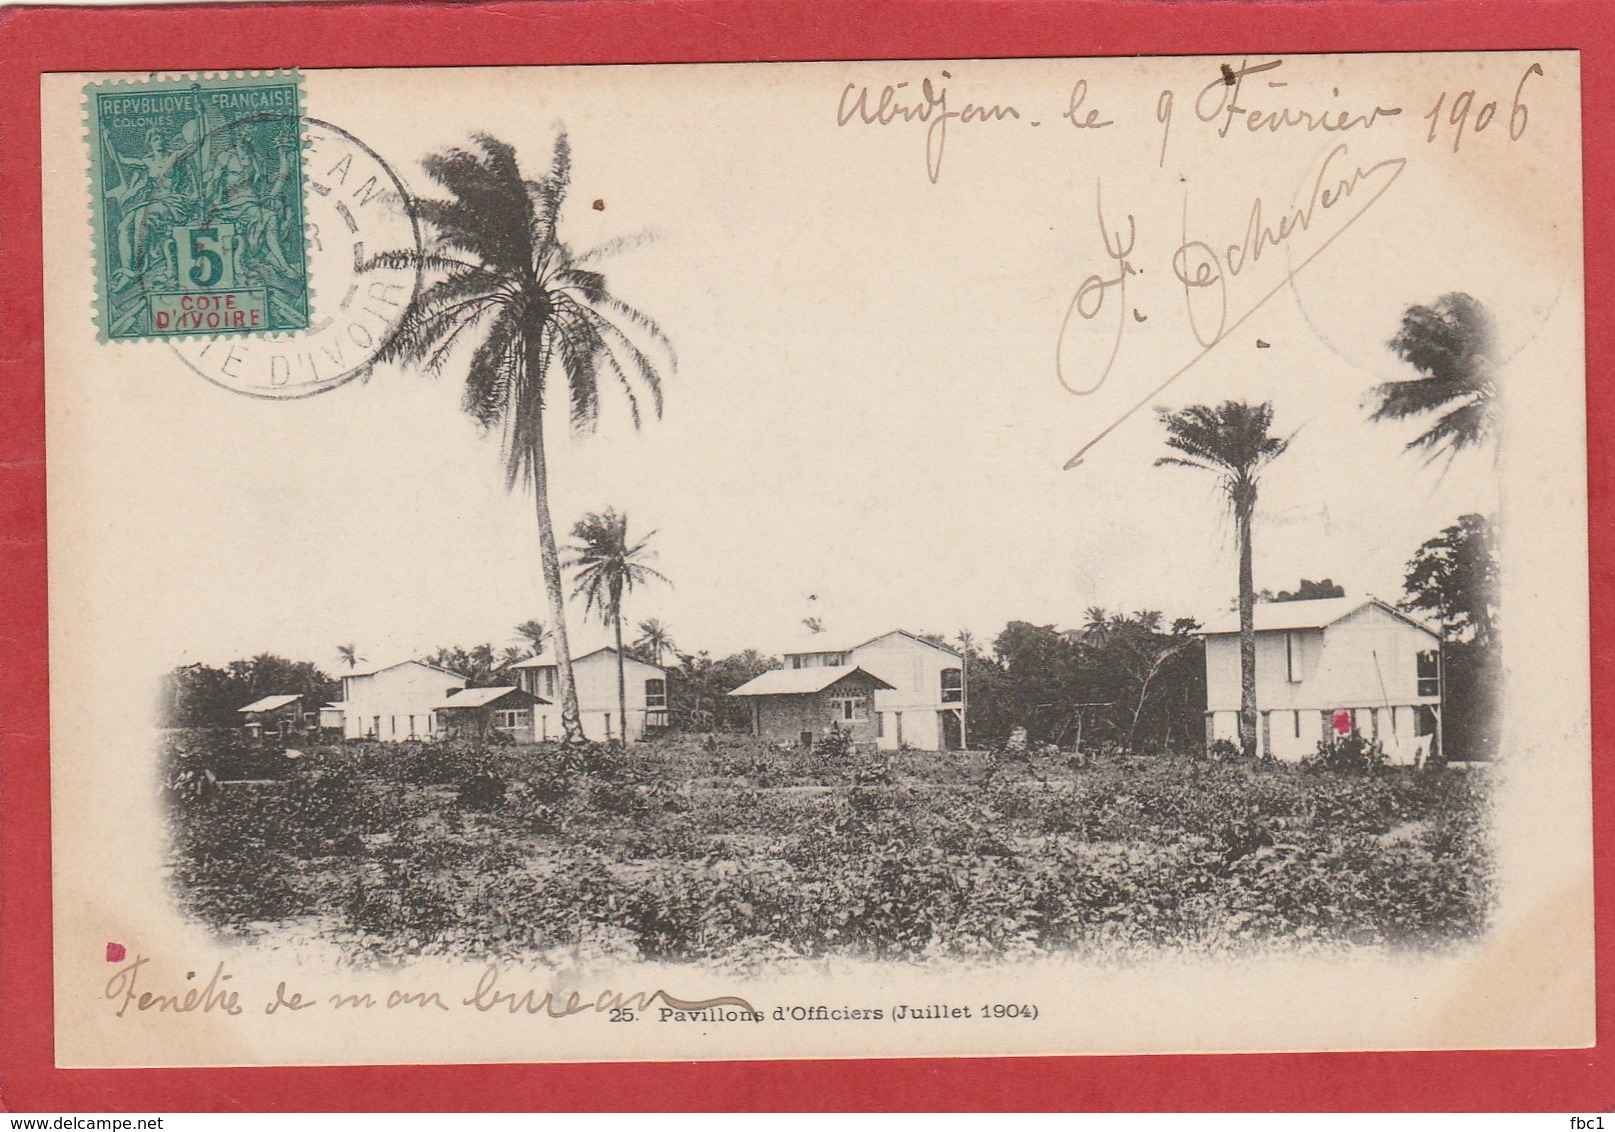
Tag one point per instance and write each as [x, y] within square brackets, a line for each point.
[835, 746]
[481, 791]
[1223, 750]
[1347, 754]
[683, 854]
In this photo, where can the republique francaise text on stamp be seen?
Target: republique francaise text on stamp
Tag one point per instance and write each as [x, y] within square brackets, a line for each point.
[198, 196]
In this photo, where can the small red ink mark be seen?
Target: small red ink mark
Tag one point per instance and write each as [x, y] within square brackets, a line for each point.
[599, 206]
[1260, 345]
[116, 953]
[1342, 721]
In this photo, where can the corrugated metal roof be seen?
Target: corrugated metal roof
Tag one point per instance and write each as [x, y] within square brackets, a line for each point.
[805, 643]
[400, 664]
[1279, 616]
[802, 681]
[915, 637]
[481, 697]
[547, 659]
[269, 703]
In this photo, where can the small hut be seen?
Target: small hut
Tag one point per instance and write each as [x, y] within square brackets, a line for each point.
[798, 705]
[273, 715]
[476, 713]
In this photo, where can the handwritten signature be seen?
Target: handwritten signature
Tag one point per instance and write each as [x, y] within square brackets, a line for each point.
[1204, 270]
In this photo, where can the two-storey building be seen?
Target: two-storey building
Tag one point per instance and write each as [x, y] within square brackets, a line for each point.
[1328, 667]
[918, 698]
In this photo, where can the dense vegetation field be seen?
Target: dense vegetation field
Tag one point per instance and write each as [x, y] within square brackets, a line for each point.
[721, 850]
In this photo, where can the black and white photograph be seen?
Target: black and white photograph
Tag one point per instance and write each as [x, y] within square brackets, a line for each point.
[828, 559]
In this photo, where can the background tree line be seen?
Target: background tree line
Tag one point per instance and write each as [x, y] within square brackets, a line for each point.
[198, 695]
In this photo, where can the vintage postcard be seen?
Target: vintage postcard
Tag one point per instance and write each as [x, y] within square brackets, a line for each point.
[818, 560]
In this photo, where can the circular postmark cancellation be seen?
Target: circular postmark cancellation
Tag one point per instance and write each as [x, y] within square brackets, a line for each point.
[361, 250]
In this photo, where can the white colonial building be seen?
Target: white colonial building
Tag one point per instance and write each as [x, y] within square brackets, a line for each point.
[924, 705]
[1328, 666]
[595, 676]
[398, 702]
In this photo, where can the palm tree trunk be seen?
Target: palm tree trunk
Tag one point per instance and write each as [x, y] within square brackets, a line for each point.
[1244, 511]
[571, 718]
[622, 688]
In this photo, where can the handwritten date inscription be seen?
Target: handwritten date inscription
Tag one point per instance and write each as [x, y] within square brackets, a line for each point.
[1205, 267]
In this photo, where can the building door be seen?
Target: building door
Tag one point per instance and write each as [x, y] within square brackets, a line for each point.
[948, 730]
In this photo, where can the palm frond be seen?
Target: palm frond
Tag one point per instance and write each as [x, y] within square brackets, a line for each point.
[434, 312]
[639, 364]
[613, 246]
[487, 383]
[577, 345]
[501, 273]
[546, 196]
[642, 322]
[1450, 343]
[405, 259]
[1459, 428]
[1179, 461]
[1233, 439]
[489, 213]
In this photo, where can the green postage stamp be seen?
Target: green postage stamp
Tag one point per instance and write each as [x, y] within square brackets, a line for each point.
[197, 190]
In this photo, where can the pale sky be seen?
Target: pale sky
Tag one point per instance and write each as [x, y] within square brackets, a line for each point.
[866, 407]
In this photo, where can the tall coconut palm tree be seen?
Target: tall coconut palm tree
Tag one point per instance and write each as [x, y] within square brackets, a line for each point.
[500, 277]
[1233, 443]
[1450, 343]
[608, 567]
[349, 655]
[655, 639]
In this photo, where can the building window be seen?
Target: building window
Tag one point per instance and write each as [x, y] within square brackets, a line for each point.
[1297, 723]
[656, 695]
[1267, 733]
[1292, 657]
[953, 685]
[796, 662]
[375, 726]
[880, 724]
[1430, 673]
[849, 708]
[412, 727]
[509, 719]
[831, 659]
